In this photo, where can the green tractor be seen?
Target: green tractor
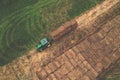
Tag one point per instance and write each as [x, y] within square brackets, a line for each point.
[43, 44]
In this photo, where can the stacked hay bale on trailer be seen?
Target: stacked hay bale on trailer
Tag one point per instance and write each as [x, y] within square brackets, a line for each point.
[57, 34]
[64, 29]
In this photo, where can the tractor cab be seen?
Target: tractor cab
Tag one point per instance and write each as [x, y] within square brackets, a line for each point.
[43, 44]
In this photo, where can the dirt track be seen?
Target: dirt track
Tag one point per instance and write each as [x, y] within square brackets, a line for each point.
[87, 59]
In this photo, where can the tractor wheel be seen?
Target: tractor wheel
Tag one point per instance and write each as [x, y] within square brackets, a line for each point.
[40, 50]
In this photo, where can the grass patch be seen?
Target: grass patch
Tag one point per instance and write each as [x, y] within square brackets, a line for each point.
[7, 7]
[113, 74]
[24, 22]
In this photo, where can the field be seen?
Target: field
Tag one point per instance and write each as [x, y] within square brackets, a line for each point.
[24, 22]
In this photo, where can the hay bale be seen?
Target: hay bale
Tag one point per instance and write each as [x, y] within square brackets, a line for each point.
[64, 29]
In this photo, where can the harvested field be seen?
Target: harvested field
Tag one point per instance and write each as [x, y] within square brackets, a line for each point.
[88, 59]
[83, 54]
